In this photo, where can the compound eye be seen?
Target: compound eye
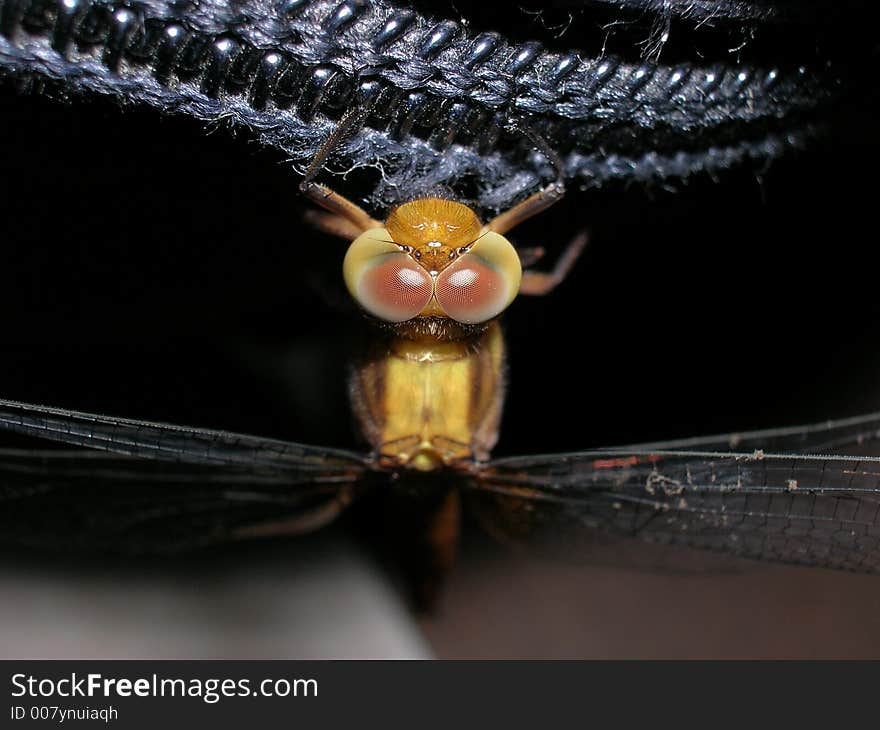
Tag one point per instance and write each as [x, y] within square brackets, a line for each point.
[384, 280]
[482, 282]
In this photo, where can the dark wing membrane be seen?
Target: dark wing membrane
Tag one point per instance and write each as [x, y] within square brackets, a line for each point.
[152, 486]
[814, 438]
[97, 500]
[815, 510]
[168, 442]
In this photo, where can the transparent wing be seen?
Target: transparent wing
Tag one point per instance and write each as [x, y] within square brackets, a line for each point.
[167, 442]
[152, 486]
[813, 438]
[799, 508]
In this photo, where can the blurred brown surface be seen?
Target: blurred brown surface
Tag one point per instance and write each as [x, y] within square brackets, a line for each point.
[503, 606]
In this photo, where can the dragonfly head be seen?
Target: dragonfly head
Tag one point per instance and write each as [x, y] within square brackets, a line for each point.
[433, 258]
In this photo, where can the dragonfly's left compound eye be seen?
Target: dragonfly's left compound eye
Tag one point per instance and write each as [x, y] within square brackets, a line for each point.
[481, 283]
[384, 280]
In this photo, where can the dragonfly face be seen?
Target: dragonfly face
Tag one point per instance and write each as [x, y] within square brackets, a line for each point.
[432, 260]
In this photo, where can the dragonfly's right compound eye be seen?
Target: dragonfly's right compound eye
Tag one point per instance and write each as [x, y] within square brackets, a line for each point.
[384, 280]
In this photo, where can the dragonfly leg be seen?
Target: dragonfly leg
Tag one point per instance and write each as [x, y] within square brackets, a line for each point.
[299, 524]
[332, 224]
[328, 199]
[537, 202]
[529, 207]
[539, 283]
[530, 256]
[357, 218]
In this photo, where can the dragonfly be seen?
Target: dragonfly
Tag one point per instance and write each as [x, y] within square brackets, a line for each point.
[141, 486]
